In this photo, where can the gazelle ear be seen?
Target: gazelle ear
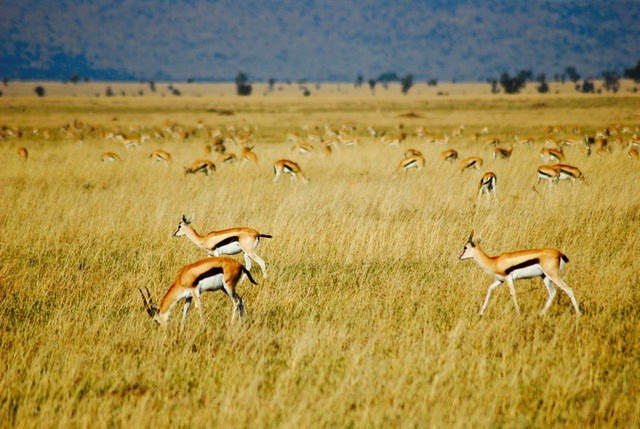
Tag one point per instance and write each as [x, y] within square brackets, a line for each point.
[470, 239]
[184, 219]
[191, 218]
[478, 240]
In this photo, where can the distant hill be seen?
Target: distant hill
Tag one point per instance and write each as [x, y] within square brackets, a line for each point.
[328, 41]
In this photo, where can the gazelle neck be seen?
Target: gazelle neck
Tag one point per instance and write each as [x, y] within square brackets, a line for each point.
[484, 260]
[192, 235]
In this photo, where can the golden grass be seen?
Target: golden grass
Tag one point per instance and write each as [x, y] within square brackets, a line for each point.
[367, 318]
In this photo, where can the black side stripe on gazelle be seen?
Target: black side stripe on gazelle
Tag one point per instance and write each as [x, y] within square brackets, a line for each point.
[521, 265]
[226, 241]
[543, 173]
[209, 273]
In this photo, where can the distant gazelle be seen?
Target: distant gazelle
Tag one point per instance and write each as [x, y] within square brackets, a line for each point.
[487, 185]
[201, 166]
[208, 274]
[303, 148]
[523, 141]
[547, 172]
[523, 264]
[248, 155]
[471, 162]
[227, 158]
[502, 153]
[449, 155]
[632, 153]
[549, 155]
[568, 172]
[415, 161]
[412, 152]
[289, 167]
[161, 156]
[225, 242]
[110, 157]
[23, 153]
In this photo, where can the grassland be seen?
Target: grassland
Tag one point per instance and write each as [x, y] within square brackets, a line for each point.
[367, 317]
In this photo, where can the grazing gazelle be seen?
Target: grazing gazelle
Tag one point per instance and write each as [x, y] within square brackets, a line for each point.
[227, 158]
[549, 155]
[289, 167]
[523, 264]
[201, 166]
[161, 156]
[632, 153]
[208, 274]
[523, 141]
[547, 172]
[303, 148]
[23, 153]
[567, 172]
[225, 242]
[449, 155]
[248, 155]
[415, 161]
[471, 162]
[502, 153]
[488, 185]
[412, 152]
[110, 157]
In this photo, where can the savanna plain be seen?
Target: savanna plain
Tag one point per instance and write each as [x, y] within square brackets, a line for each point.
[367, 318]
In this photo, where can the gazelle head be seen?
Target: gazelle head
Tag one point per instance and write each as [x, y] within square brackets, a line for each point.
[151, 308]
[469, 248]
[184, 222]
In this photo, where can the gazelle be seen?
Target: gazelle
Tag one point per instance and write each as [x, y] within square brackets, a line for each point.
[415, 161]
[110, 157]
[547, 172]
[208, 274]
[225, 242]
[567, 172]
[394, 140]
[523, 264]
[632, 153]
[492, 141]
[523, 141]
[449, 155]
[471, 162]
[23, 153]
[570, 141]
[303, 148]
[201, 166]
[248, 155]
[227, 158]
[412, 152]
[502, 153]
[549, 155]
[289, 167]
[161, 156]
[488, 185]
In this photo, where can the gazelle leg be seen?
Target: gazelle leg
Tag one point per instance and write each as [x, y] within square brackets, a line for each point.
[491, 288]
[232, 295]
[512, 291]
[240, 306]
[258, 260]
[565, 287]
[187, 304]
[552, 294]
[196, 302]
[247, 261]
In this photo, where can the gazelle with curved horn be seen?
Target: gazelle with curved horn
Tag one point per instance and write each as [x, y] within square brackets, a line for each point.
[208, 274]
[289, 167]
[523, 264]
[225, 242]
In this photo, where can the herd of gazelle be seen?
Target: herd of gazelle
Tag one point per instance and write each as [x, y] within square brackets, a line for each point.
[218, 272]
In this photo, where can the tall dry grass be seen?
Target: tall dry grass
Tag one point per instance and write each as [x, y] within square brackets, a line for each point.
[367, 318]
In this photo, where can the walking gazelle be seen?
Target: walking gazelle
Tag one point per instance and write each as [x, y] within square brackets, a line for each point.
[523, 264]
[225, 242]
